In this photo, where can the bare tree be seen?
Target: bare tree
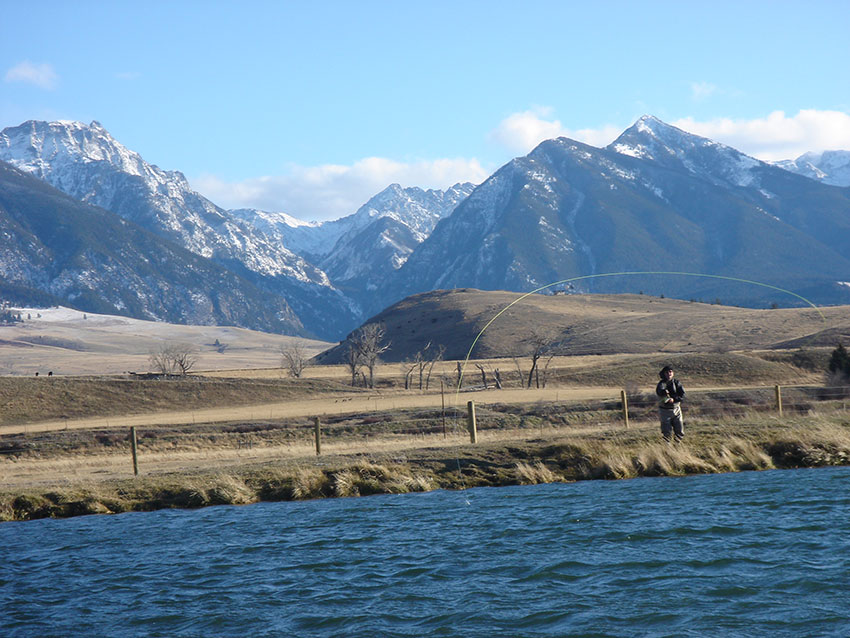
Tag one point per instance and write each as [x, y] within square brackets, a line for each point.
[544, 376]
[352, 361]
[409, 366]
[437, 356]
[422, 363]
[185, 358]
[483, 374]
[294, 359]
[173, 358]
[367, 341]
[161, 361]
[520, 374]
[541, 344]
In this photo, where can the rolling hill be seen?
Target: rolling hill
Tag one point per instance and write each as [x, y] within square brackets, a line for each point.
[592, 324]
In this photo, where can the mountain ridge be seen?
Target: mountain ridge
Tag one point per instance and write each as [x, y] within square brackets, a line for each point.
[91, 259]
[87, 163]
[655, 199]
[570, 210]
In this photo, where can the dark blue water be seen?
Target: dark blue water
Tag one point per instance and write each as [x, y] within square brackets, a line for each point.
[752, 554]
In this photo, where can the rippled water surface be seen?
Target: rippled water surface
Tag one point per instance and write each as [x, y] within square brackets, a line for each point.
[751, 554]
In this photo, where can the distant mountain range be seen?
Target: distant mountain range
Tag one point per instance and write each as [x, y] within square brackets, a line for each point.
[829, 167]
[87, 163]
[656, 199]
[58, 250]
[357, 251]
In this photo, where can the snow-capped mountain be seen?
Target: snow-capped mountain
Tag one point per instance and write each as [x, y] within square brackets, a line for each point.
[58, 250]
[87, 163]
[384, 232]
[829, 167]
[359, 251]
[418, 210]
[651, 139]
[657, 199]
[310, 240]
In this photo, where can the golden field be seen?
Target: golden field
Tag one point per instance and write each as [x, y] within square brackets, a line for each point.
[240, 430]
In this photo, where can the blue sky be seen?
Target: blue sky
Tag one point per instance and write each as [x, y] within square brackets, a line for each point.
[311, 108]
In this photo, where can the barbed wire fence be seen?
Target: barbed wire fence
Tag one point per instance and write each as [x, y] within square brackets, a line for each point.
[453, 425]
[553, 417]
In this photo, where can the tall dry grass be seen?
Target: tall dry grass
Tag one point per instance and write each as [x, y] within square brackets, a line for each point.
[535, 473]
[502, 457]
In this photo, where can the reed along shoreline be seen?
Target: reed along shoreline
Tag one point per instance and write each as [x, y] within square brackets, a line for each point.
[756, 443]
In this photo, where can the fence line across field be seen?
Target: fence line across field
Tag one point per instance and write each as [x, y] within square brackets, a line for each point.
[734, 403]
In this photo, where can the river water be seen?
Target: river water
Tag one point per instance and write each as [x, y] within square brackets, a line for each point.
[750, 554]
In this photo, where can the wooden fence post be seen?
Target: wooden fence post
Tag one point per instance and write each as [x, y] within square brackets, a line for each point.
[470, 421]
[318, 435]
[133, 447]
[625, 401]
[443, 404]
[779, 400]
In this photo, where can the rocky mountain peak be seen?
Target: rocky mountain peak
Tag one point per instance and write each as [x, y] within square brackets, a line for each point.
[829, 167]
[651, 139]
[55, 151]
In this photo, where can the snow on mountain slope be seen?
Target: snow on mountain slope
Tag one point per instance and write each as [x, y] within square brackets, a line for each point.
[87, 163]
[655, 198]
[57, 249]
[829, 167]
[311, 240]
[416, 209]
[651, 139]
[383, 233]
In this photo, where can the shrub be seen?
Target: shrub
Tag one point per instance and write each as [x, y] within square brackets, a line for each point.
[839, 364]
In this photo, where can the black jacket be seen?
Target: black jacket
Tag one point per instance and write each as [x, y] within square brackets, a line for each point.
[672, 389]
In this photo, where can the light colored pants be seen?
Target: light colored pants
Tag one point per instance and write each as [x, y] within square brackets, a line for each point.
[671, 421]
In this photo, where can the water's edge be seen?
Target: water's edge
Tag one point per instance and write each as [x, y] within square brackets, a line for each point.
[454, 469]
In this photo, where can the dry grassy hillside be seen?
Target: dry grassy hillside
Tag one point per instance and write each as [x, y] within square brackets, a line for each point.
[69, 342]
[595, 324]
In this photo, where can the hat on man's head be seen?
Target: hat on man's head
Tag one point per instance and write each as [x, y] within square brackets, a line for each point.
[664, 370]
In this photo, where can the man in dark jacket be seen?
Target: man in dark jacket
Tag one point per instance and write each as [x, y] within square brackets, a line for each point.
[670, 393]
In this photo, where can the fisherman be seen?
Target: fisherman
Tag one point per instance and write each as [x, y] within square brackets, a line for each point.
[671, 393]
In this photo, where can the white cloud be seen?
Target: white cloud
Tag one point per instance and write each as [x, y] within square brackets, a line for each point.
[41, 75]
[521, 132]
[777, 136]
[774, 137]
[702, 90]
[332, 191]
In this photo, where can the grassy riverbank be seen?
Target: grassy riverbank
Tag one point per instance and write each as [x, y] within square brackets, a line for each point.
[536, 455]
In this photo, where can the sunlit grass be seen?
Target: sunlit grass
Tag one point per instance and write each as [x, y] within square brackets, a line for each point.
[193, 475]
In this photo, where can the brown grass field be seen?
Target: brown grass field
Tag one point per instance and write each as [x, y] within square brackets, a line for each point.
[240, 430]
